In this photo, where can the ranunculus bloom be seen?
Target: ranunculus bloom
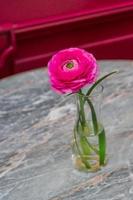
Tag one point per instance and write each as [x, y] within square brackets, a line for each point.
[71, 69]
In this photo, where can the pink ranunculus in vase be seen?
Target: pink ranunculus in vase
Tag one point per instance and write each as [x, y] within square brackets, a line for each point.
[69, 71]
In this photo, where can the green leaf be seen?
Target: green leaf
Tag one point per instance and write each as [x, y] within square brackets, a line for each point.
[102, 146]
[99, 81]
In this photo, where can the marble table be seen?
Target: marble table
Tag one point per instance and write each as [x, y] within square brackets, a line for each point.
[35, 134]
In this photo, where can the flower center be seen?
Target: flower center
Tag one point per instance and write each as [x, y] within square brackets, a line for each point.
[70, 65]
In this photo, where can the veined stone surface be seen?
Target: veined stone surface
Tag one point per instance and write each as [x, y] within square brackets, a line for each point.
[35, 136]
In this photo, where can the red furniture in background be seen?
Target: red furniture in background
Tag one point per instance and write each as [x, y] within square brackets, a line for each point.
[32, 30]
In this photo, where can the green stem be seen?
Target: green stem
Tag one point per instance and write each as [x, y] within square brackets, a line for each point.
[94, 117]
[81, 110]
[86, 146]
[101, 135]
[93, 148]
[82, 158]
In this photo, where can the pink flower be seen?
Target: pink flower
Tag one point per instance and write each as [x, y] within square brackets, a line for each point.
[71, 69]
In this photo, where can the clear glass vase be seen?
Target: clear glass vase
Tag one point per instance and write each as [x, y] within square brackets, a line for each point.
[89, 140]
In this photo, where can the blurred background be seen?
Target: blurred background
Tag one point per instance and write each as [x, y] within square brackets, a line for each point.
[31, 31]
